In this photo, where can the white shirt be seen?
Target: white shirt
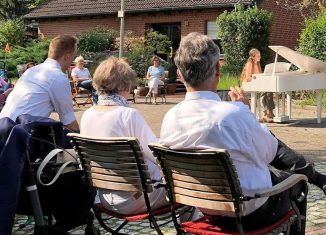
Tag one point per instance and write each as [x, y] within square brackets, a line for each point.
[124, 122]
[203, 121]
[81, 73]
[41, 90]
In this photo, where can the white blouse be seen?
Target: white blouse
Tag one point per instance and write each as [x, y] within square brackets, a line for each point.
[124, 122]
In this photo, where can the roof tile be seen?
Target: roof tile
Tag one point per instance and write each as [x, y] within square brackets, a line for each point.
[66, 8]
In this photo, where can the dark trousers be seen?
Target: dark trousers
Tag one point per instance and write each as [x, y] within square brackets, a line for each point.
[88, 85]
[285, 163]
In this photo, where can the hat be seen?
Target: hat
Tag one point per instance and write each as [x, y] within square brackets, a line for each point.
[79, 59]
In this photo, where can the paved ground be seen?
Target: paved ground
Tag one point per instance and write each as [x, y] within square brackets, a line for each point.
[301, 133]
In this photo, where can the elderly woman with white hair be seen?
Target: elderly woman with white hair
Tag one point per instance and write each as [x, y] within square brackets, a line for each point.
[112, 117]
[81, 75]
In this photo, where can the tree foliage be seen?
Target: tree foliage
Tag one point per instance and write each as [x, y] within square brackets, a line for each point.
[158, 42]
[241, 30]
[12, 9]
[312, 40]
[98, 39]
[142, 50]
[12, 32]
[35, 51]
[306, 7]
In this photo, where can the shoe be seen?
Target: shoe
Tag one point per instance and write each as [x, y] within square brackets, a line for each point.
[267, 119]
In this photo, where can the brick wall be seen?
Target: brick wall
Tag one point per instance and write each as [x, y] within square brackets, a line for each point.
[285, 29]
[287, 24]
[191, 21]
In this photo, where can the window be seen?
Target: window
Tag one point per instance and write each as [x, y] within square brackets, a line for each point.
[211, 29]
[212, 33]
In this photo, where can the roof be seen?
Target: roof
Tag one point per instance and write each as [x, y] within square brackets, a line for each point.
[69, 8]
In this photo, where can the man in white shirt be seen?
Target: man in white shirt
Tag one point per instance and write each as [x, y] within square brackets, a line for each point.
[45, 87]
[41, 90]
[202, 121]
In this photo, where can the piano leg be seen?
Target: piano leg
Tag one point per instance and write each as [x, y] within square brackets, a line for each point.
[283, 104]
[253, 102]
[319, 94]
[289, 103]
[280, 116]
[277, 106]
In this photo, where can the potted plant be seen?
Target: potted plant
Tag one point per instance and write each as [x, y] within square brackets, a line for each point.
[171, 83]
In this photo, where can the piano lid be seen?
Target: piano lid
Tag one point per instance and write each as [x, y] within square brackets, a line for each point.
[305, 63]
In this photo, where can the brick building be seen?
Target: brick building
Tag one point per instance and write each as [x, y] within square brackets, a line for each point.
[174, 18]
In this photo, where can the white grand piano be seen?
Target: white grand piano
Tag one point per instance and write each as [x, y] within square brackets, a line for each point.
[311, 75]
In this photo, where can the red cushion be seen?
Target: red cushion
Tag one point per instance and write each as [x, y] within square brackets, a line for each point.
[203, 226]
[135, 217]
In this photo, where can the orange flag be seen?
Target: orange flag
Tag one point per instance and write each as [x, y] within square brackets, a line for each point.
[7, 48]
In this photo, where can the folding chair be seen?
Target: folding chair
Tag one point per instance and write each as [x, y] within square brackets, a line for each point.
[118, 164]
[161, 94]
[208, 179]
[80, 93]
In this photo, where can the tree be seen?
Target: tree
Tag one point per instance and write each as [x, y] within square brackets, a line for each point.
[306, 7]
[12, 9]
[241, 30]
[312, 40]
[11, 31]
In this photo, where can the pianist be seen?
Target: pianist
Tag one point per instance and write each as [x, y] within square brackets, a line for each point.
[253, 67]
[202, 120]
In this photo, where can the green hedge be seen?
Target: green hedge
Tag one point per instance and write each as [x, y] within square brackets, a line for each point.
[242, 30]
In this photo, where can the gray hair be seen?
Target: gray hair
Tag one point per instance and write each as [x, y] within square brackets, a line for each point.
[113, 76]
[196, 59]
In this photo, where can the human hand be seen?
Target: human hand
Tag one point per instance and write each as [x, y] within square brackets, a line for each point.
[238, 94]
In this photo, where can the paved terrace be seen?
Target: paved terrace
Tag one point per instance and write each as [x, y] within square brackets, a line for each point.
[302, 134]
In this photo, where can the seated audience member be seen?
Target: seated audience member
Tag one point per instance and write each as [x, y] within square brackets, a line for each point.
[41, 90]
[112, 117]
[29, 65]
[81, 75]
[3, 96]
[45, 87]
[3, 85]
[203, 121]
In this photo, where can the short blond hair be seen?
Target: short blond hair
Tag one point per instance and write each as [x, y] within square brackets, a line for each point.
[154, 58]
[61, 45]
[113, 75]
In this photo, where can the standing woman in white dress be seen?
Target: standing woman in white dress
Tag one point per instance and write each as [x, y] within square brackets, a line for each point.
[155, 75]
